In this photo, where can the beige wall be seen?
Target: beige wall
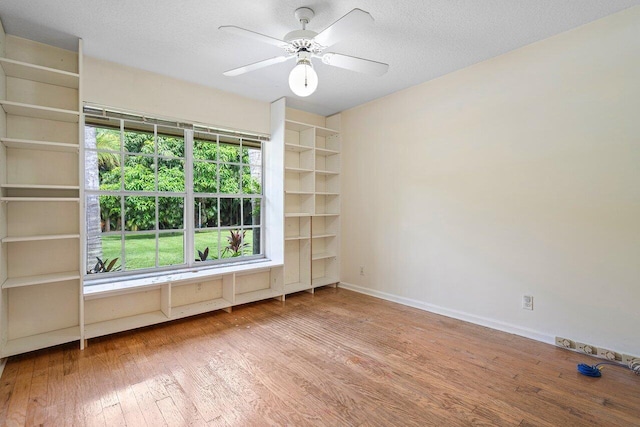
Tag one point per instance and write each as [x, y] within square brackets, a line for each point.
[518, 175]
[118, 86]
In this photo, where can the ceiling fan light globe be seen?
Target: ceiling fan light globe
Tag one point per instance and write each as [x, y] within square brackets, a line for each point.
[303, 80]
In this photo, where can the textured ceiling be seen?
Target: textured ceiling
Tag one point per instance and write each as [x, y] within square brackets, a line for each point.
[420, 39]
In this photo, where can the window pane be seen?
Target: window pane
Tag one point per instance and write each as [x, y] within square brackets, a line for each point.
[229, 150]
[110, 210]
[251, 211]
[139, 138]
[206, 212]
[234, 243]
[109, 172]
[170, 146]
[109, 249]
[251, 181]
[170, 213]
[252, 240]
[101, 248]
[140, 251]
[171, 175]
[229, 179]
[206, 245]
[205, 179]
[139, 173]
[205, 150]
[112, 249]
[229, 212]
[170, 249]
[252, 156]
[105, 137]
[140, 213]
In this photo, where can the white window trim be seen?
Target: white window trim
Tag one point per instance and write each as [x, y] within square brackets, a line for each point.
[158, 275]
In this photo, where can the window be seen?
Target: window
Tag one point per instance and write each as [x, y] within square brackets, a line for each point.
[165, 196]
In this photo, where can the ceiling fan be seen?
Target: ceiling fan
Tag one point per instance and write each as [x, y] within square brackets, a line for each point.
[304, 45]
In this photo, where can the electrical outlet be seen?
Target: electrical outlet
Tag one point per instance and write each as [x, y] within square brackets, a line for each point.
[361, 270]
[527, 302]
[565, 343]
[586, 348]
[608, 354]
[627, 358]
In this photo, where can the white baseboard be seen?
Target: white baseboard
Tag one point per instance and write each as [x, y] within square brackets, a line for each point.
[471, 318]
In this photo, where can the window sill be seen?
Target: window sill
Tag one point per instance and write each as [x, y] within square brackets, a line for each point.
[117, 286]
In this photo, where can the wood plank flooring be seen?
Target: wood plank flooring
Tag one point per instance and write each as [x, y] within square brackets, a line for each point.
[336, 358]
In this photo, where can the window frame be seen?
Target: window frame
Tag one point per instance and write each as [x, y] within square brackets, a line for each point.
[98, 117]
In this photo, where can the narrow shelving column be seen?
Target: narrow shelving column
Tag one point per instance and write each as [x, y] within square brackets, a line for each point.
[299, 205]
[312, 201]
[40, 193]
[325, 228]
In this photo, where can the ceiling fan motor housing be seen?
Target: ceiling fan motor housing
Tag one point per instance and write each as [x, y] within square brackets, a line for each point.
[304, 15]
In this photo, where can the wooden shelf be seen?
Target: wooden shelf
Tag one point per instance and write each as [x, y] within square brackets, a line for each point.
[323, 236]
[38, 73]
[300, 193]
[297, 238]
[40, 112]
[296, 214]
[290, 288]
[9, 239]
[297, 147]
[320, 193]
[325, 152]
[107, 327]
[322, 255]
[326, 214]
[28, 144]
[39, 199]
[319, 172]
[296, 126]
[257, 295]
[18, 282]
[41, 187]
[322, 131]
[199, 308]
[298, 170]
[35, 342]
[323, 281]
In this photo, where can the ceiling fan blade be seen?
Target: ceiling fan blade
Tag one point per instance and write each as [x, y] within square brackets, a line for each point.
[253, 35]
[355, 64]
[255, 66]
[350, 23]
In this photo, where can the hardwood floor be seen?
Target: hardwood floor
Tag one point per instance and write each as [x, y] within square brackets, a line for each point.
[336, 358]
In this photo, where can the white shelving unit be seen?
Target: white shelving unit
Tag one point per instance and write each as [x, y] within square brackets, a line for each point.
[41, 281]
[144, 302]
[312, 205]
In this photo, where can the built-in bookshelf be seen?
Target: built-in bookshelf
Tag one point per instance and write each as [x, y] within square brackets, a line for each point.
[41, 281]
[312, 205]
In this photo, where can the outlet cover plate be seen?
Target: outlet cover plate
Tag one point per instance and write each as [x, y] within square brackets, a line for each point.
[565, 343]
[609, 354]
[586, 348]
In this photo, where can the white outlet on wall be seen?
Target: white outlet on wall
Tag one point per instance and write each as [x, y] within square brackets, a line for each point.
[527, 302]
[608, 354]
[565, 343]
[586, 348]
